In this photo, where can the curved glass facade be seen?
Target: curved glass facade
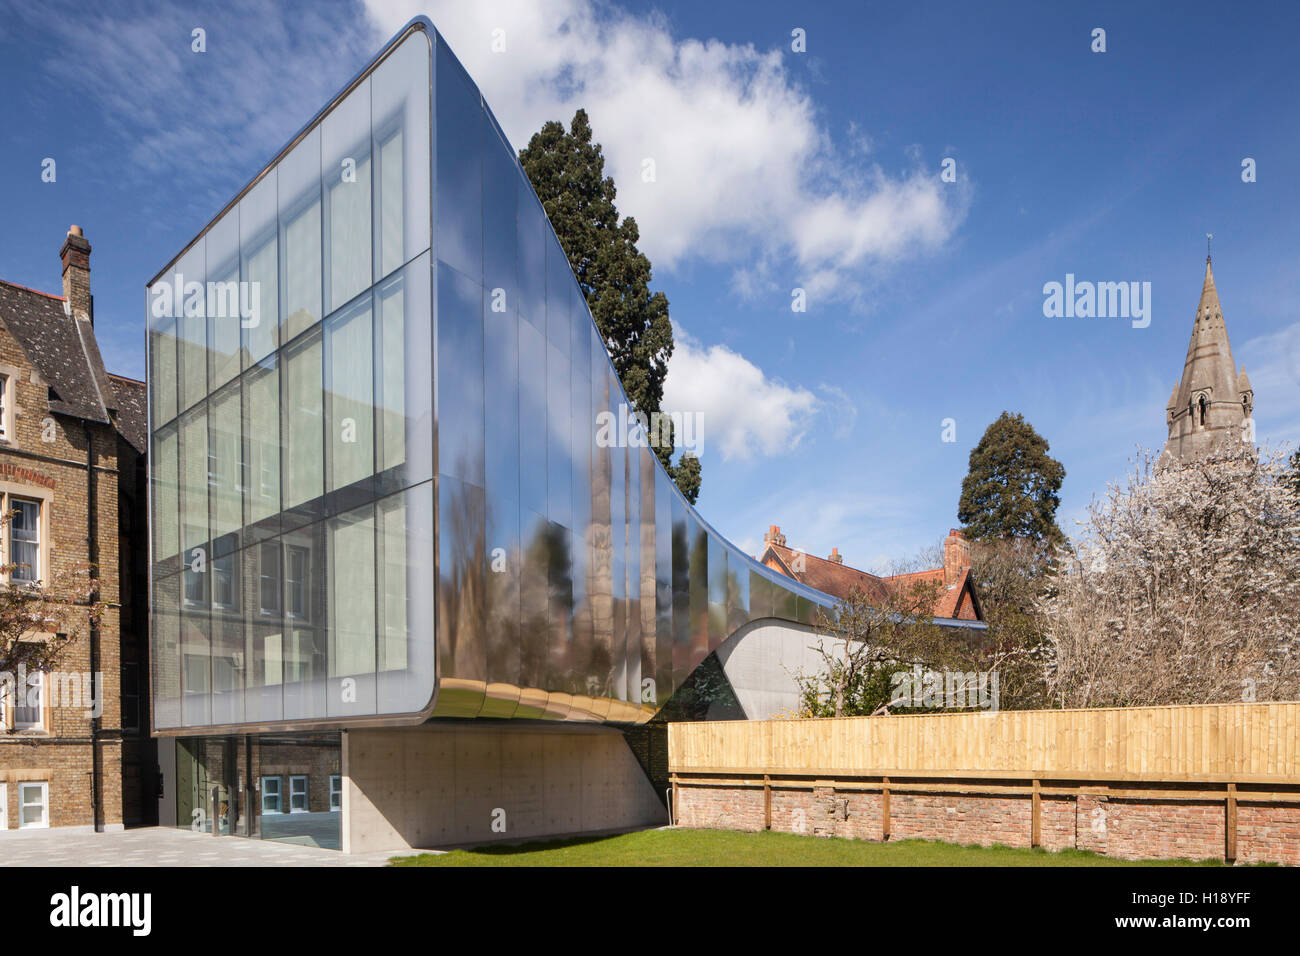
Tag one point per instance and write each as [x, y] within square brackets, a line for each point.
[385, 484]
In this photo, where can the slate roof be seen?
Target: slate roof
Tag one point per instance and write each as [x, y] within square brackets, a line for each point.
[65, 354]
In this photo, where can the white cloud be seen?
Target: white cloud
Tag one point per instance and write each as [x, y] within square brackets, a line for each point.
[742, 411]
[746, 174]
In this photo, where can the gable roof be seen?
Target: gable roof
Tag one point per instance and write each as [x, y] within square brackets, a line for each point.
[65, 354]
[132, 411]
[838, 580]
[62, 349]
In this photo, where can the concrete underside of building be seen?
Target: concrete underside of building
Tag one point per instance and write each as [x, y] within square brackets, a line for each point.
[443, 785]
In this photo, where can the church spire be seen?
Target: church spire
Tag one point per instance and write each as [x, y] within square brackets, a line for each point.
[1212, 398]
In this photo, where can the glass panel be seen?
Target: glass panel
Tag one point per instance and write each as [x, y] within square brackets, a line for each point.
[717, 591]
[460, 169]
[224, 461]
[166, 530]
[500, 201]
[163, 376]
[259, 257]
[300, 236]
[352, 605]
[194, 505]
[345, 175]
[617, 680]
[304, 478]
[533, 601]
[399, 95]
[559, 280]
[222, 302]
[264, 634]
[532, 419]
[192, 326]
[404, 391]
[663, 587]
[262, 432]
[227, 629]
[462, 653]
[460, 378]
[648, 599]
[407, 613]
[501, 403]
[305, 614]
[349, 391]
[559, 461]
[682, 663]
[633, 621]
[699, 626]
[533, 233]
[166, 652]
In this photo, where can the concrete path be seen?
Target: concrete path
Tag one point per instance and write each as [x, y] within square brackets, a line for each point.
[163, 846]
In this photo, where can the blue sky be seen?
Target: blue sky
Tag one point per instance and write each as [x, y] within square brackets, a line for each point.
[774, 170]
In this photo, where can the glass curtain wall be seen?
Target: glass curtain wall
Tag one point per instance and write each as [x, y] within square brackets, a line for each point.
[299, 477]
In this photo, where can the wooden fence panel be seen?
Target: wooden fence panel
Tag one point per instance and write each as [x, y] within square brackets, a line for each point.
[1202, 742]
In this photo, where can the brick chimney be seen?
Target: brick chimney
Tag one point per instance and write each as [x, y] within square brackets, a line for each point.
[774, 536]
[956, 557]
[75, 254]
[836, 556]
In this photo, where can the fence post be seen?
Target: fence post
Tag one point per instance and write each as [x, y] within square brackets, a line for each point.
[767, 802]
[884, 809]
[1036, 826]
[1230, 825]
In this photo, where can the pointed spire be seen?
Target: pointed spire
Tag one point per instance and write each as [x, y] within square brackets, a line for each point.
[1209, 375]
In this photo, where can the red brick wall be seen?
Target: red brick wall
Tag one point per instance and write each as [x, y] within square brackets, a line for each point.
[1125, 828]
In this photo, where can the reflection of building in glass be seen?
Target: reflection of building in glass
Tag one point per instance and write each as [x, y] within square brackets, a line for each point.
[383, 503]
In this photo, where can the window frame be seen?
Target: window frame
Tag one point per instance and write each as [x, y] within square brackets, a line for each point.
[278, 795]
[306, 803]
[336, 792]
[41, 724]
[43, 787]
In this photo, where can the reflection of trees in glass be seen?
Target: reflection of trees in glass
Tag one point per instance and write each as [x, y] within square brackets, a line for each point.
[705, 695]
[461, 623]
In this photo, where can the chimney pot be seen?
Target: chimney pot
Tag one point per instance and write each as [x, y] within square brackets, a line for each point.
[836, 556]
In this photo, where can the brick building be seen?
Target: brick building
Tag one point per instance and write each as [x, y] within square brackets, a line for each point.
[72, 476]
[956, 599]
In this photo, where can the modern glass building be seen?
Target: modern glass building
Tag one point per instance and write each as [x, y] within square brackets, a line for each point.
[379, 493]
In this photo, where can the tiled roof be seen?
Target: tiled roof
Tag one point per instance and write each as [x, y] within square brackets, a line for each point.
[838, 580]
[64, 352]
[132, 412]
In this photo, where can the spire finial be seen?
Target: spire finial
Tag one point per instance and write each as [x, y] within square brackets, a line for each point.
[1208, 237]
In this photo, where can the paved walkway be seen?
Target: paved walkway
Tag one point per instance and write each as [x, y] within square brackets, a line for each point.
[163, 846]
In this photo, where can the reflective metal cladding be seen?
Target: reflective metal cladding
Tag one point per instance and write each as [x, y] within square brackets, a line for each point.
[378, 489]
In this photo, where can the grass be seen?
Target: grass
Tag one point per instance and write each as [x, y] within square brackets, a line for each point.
[731, 848]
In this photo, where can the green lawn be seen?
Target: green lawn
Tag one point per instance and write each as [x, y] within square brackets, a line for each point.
[730, 848]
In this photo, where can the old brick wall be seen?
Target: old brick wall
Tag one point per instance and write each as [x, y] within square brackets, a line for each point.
[1120, 827]
[56, 470]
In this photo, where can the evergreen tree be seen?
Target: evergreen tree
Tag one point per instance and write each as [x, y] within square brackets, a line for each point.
[1011, 490]
[567, 171]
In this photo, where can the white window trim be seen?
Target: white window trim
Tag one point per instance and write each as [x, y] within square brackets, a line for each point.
[336, 791]
[6, 405]
[44, 498]
[44, 788]
[42, 720]
[293, 778]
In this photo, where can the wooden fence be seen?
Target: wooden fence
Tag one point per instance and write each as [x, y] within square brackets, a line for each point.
[1227, 754]
[1212, 742]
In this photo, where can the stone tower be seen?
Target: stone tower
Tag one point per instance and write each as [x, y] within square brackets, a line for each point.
[1213, 401]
